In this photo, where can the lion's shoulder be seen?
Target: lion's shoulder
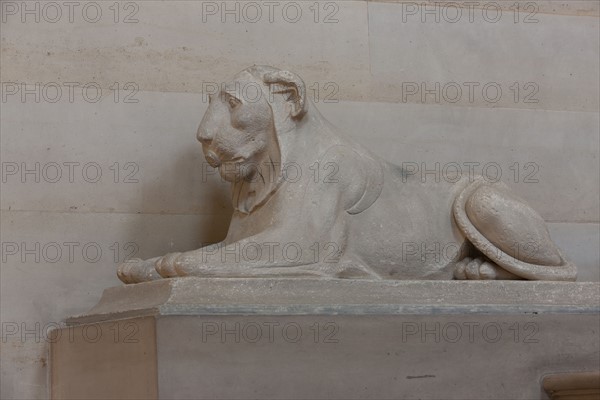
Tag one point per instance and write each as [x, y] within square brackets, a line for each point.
[359, 175]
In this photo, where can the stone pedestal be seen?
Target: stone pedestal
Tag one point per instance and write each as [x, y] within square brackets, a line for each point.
[192, 338]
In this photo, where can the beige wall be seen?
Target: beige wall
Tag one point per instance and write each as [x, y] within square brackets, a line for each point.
[370, 58]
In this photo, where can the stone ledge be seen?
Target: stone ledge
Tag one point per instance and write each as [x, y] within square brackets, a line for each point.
[214, 296]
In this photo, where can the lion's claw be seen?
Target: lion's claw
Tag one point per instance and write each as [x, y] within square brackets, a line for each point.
[480, 269]
[165, 265]
[136, 270]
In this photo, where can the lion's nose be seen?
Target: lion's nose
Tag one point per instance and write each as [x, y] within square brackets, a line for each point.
[203, 136]
[212, 158]
[206, 131]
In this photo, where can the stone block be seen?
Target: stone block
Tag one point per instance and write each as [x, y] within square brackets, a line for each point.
[192, 338]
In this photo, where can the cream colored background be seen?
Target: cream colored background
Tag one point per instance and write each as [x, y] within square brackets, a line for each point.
[368, 54]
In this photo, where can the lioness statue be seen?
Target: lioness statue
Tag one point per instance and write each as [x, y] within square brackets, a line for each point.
[308, 202]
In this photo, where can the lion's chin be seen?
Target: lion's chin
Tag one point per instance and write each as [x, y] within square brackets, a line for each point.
[230, 176]
[233, 171]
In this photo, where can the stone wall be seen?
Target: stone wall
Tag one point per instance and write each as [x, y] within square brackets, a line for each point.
[100, 104]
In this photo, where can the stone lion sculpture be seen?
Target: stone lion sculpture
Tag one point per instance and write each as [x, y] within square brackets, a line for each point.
[308, 202]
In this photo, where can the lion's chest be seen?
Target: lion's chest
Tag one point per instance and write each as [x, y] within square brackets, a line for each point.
[274, 217]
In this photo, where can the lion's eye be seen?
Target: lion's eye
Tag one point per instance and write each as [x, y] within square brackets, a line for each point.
[233, 102]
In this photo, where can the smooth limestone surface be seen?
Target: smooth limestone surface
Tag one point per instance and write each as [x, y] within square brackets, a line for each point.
[369, 48]
[154, 195]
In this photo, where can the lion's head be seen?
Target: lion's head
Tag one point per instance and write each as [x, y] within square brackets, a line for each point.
[239, 131]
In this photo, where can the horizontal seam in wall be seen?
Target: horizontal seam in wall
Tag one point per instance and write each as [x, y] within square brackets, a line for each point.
[207, 214]
[452, 106]
[571, 13]
[3, 210]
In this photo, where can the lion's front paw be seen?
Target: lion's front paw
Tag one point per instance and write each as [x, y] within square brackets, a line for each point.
[165, 265]
[137, 270]
[480, 269]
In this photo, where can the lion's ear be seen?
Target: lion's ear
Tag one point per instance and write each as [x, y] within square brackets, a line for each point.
[294, 86]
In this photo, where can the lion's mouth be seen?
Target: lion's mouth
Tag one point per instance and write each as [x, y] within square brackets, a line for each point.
[215, 161]
[233, 166]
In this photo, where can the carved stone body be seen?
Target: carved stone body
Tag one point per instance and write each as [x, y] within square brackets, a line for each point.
[310, 202]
